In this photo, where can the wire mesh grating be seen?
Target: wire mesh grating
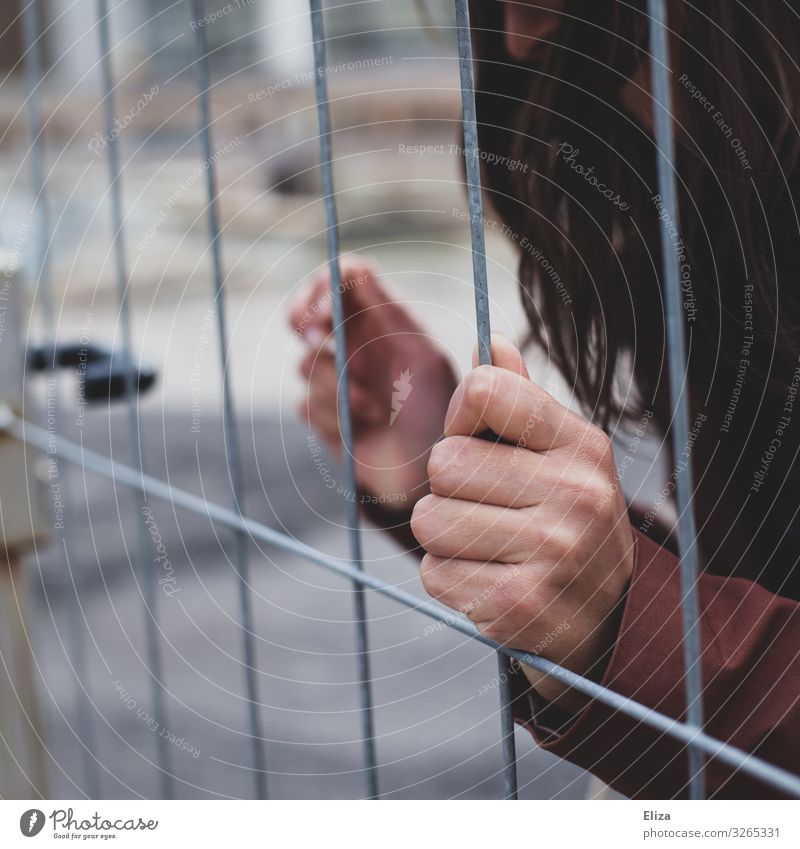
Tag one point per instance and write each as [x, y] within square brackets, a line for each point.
[699, 744]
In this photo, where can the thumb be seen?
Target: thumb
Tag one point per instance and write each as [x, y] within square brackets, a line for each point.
[360, 288]
[505, 355]
[312, 313]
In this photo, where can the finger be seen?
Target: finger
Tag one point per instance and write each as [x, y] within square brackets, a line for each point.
[320, 372]
[319, 366]
[323, 417]
[467, 585]
[324, 422]
[311, 312]
[311, 316]
[504, 355]
[512, 407]
[448, 527]
[503, 600]
[360, 286]
[484, 592]
[491, 473]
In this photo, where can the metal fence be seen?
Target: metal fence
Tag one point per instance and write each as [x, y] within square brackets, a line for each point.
[699, 744]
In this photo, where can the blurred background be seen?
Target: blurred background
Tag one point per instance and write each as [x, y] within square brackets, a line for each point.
[393, 81]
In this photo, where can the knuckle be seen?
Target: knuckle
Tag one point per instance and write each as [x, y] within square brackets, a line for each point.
[423, 519]
[571, 488]
[506, 594]
[593, 491]
[602, 447]
[560, 541]
[532, 536]
[548, 543]
[478, 387]
[586, 493]
[418, 526]
[438, 460]
[444, 455]
[433, 576]
[492, 631]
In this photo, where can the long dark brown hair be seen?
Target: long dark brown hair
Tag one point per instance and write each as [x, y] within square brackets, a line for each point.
[589, 239]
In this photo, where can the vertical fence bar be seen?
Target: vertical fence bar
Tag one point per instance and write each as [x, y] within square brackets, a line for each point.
[146, 575]
[678, 378]
[230, 433]
[332, 233]
[34, 72]
[481, 284]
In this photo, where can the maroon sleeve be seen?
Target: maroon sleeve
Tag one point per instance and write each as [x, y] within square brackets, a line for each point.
[751, 685]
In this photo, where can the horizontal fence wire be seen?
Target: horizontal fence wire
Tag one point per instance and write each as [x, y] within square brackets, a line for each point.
[146, 578]
[343, 389]
[230, 433]
[678, 382]
[39, 438]
[484, 331]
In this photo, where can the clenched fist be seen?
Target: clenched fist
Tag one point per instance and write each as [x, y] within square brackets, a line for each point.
[529, 537]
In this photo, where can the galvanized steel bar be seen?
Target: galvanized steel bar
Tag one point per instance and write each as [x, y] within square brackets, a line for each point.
[678, 383]
[481, 285]
[34, 73]
[474, 192]
[351, 486]
[230, 432]
[147, 578]
[182, 500]
[505, 672]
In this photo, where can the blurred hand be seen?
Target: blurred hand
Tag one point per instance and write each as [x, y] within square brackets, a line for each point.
[530, 538]
[400, 382]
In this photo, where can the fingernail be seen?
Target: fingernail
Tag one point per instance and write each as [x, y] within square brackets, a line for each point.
[314, 337]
